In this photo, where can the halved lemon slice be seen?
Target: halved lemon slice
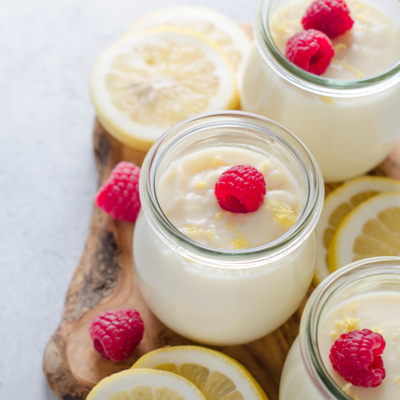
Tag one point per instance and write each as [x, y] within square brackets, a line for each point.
[337, 205]
[145, 384]
[371, 230]
[147, 83]
[218, 28]
[215, 374]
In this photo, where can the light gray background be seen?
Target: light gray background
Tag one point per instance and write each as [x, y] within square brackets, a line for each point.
[47, 168]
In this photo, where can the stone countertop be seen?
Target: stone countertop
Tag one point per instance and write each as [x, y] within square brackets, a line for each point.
[47, 174]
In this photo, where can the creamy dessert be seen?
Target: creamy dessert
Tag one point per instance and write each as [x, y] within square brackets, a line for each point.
[367, 308]
[215, 276]
[348, 117]
[186, 196]
[370, 47]
[377, 312]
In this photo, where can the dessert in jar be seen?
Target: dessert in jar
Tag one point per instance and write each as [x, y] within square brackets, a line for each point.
[348, 116]
[357, 305]
[210, 275]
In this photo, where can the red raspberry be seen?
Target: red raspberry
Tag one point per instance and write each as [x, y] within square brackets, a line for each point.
[356, 356]
[119, 194]
[331, 17]
[116, 334]
[240, 189]
[310, 50]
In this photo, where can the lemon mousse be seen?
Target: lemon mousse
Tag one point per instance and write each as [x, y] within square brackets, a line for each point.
[349, 337]
[216, 276]
[186, 196]
[348, 116]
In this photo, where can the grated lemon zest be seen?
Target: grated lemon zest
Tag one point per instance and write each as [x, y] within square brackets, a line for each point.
[354, 306]
[219, 216]
[340, 46]
[240, 242]
[210, 234]
[282, 213]
[200, 184]
[377, 329]
[328, 100]
[358, 73]
[194, 230]
[217, 162]
[334, 334]
[346, 388]
[347, 324]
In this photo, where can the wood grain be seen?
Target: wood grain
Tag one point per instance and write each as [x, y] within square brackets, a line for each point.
[104, 279]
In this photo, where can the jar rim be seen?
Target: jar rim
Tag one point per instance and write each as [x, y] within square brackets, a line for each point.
[196, 251]
[366, 268]
[311, 82]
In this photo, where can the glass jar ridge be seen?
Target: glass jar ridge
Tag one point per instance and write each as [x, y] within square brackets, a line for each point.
[214, 295]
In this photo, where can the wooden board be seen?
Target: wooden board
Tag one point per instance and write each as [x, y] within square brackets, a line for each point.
[104, 279]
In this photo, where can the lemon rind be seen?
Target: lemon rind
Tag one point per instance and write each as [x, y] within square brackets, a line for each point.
[332, 200]
[206, 357]
[162, 379]
[335, 255]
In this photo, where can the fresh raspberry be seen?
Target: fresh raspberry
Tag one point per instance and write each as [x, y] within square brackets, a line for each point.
[310, 50]
[116, 334]
[356, 356]
[240, 189]
[119, 194]
[331, 17]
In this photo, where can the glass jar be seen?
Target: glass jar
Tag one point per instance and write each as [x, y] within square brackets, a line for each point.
[304, 375]
[349, 125]
[216, 296]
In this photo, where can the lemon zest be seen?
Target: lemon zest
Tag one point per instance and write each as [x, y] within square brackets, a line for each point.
[200, 184]
[340, 46]
[377, 329]
[328, 100]
[240, 242]
[346, 388]
[282, 213]
[358, 73]
[347, 324]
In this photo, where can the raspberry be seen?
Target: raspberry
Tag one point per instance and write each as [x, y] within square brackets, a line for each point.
[240, 189]
[119, 194]
[310, 50]
[356, 356]
[331, 17]
[116, 334]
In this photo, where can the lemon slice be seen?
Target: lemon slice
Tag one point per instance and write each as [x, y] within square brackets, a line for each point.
[145, 384]
[215, 374]
[337, 205]
[371, 230]
[219, 29]
[147, 83]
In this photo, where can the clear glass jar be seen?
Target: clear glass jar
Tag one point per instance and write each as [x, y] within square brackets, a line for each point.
[304, 375]
[349, 125]
[215, 296]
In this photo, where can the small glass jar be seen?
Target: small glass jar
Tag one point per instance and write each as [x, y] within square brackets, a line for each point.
[349, 125]
[216, 296]
[304, 375]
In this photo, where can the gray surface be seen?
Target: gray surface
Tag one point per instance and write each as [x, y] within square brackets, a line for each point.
[47, 170]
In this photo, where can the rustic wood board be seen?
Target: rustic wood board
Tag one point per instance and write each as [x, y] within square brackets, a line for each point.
[104, 279]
